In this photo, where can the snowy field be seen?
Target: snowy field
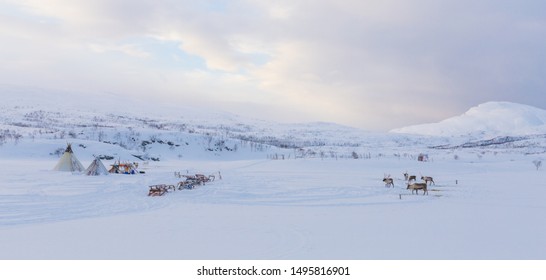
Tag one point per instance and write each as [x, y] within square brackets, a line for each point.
[489, 200]
[488, 208]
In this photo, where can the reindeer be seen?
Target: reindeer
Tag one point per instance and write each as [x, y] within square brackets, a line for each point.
[427, 179]
[388, 181]
[409, 178]
[418, 186]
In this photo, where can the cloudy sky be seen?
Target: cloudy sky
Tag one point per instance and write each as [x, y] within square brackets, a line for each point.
[365, 63]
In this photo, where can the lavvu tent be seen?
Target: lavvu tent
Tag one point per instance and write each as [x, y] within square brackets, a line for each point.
[68, 161]
[96, 168]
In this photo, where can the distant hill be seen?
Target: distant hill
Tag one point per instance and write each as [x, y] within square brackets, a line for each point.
[39, 122]
[487, 120]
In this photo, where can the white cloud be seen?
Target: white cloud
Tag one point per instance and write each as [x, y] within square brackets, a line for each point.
[375, 64]
[128, 49]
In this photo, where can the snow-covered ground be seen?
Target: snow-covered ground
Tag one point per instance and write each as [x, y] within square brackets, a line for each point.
[488, 208]
[288, 191]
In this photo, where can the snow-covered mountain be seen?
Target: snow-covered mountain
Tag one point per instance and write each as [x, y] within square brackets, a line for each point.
[39, 122]
[487, 120]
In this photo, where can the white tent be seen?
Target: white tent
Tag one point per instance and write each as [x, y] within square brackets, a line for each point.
[68, 161]
[96, 168]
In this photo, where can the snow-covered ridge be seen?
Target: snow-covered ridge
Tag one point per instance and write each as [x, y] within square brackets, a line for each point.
[169, 130]
[112, 125]
[487, 120]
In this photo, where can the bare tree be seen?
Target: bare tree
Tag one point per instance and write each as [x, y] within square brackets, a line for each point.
[354, 155]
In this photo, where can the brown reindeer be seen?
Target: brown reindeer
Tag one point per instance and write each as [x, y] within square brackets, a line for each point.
[409, 178]
[388, 181]
[427, 179]
[418, 186]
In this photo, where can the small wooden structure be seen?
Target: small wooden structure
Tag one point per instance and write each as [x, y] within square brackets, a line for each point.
[422, 157]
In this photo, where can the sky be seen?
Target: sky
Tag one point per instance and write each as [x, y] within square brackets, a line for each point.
[375, 65]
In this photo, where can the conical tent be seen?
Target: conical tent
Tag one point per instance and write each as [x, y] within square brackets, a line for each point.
[96, 168]
[68, 161]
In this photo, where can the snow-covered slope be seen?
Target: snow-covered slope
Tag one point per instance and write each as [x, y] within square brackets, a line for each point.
[487, 120]
[153, 129]
[39, 122]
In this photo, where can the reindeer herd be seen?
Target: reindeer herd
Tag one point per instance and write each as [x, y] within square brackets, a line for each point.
[191, 181]
[411, 182]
